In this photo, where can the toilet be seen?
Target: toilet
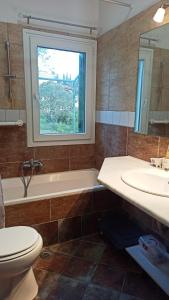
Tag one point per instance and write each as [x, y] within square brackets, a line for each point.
[19, 248]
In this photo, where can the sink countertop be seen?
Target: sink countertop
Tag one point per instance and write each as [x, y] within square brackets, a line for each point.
[110, 176]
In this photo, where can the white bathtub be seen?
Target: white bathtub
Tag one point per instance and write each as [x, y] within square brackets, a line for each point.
[50, 186]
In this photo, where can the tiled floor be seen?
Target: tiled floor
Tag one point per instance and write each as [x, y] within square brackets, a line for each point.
[89, 269]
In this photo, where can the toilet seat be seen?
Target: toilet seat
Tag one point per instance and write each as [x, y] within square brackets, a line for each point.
[17, 241]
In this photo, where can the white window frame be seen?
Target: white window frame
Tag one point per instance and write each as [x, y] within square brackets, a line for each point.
[147, 55]
[32, 39]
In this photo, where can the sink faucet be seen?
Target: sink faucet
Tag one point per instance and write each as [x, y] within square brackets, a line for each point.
[162, 163]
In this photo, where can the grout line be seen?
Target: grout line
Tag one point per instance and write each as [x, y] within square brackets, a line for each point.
[122, 287]
[69, 157]
[127, 136]
[81, 224]
[58, 232]
[158, 148]
[50, 210]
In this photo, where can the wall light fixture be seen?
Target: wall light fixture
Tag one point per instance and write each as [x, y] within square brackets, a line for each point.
[160, 13]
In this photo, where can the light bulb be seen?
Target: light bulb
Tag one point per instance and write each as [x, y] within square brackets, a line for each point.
[159, 15]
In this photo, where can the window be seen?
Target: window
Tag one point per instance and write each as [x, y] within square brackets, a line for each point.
[60, 88]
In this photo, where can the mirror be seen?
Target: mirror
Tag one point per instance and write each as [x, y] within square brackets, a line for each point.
[152, 97]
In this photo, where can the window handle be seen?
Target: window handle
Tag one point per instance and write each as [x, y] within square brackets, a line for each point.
[36, 98]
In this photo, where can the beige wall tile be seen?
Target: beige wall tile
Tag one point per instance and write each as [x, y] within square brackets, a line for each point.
[17, 60]
[15, 33]
[18, 92]
[119, 48]
[3, 60]
[4, 93]
[142, 146]
[3, 32]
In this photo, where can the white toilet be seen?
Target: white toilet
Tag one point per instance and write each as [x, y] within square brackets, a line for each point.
[19, 248]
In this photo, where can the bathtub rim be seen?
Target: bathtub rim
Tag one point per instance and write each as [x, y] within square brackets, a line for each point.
[60, 194]
[53, 195]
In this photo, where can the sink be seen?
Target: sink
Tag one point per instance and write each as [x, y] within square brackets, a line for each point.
[149, 180]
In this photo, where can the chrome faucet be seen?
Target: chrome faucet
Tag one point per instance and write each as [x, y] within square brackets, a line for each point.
[32, 164]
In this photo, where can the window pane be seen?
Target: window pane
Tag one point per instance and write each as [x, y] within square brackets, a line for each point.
[61, 79]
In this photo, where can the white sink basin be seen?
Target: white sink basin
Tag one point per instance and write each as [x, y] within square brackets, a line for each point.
[149, 180]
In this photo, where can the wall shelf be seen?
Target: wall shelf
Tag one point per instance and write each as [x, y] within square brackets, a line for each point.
[158, 273]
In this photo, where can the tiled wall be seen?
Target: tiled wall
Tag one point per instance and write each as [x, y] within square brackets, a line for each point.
[113, 140]
[12, 115]
[110, 141]
[117, 62]
[123, 118]
[116, 90]
[149, 224]
[13, 33]
[14, 150]
[116, 86]
[64, 218]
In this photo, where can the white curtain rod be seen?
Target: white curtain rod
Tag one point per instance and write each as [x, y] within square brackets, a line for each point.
[91, 28]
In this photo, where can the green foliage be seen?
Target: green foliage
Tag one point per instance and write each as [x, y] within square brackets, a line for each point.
[57, 106]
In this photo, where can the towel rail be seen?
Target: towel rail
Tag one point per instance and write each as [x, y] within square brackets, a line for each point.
[16, 123]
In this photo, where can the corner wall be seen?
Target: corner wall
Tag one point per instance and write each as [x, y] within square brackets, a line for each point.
[13, 139]
[116, 90]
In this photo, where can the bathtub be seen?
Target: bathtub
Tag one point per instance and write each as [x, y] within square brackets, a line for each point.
[50, 185]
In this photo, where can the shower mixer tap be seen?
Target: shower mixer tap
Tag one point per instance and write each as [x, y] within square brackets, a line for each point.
[32, 164]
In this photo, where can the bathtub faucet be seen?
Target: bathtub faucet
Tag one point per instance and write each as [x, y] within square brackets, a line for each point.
[32, 164]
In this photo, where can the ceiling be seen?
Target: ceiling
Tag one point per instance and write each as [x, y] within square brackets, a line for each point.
[104, 15]
[111, 15]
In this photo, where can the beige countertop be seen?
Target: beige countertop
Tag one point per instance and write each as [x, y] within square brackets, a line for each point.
[110, 176]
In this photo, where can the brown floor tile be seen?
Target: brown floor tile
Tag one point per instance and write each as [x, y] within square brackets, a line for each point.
[46, 281]
[41, 276]
[108, 277]
[57, 287]
[128, 297]
[119, 259]
[142, 286]
[68, 248]
[53, 263]
[94, 292]
[66, 289]
[76, 276]
[93, 238]
[90, 251]
[80, 269]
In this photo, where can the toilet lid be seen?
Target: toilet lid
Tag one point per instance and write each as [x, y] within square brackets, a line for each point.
[16, 239]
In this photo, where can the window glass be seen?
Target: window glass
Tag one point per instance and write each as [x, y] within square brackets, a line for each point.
[61, 83]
